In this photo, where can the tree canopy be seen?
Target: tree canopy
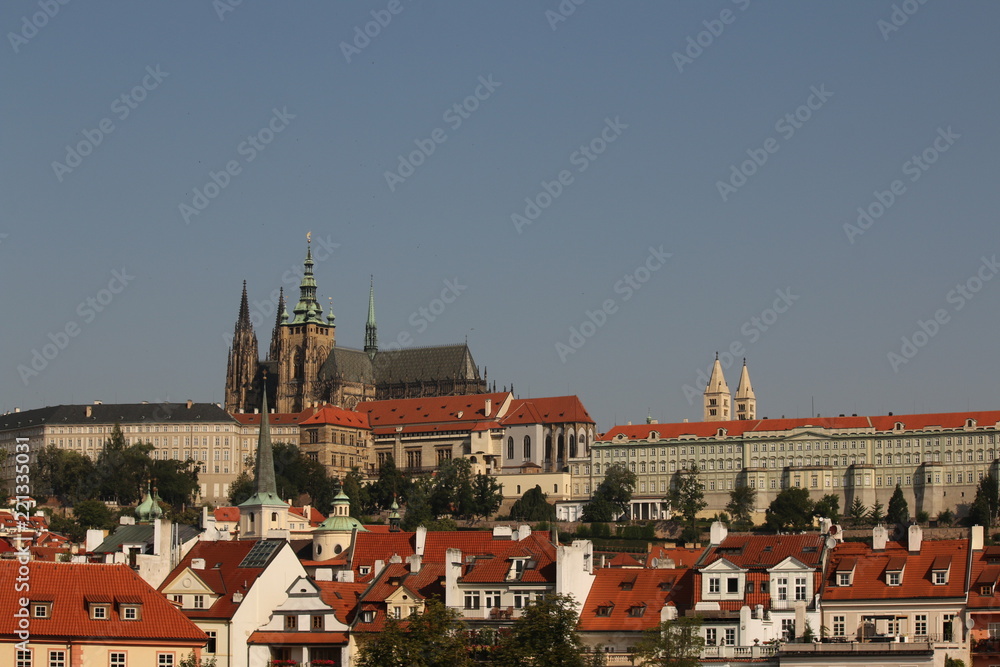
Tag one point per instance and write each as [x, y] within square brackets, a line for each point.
[742, 501]
[687, 495]
[828, 506]
[899, 511]
[545, 634]
[792, 509]
[434, 638]
[675, 643]
[612, 496]
[533, 506]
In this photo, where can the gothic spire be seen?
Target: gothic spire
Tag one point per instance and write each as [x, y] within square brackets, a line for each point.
[273, 353]
[243, 321]
[371, 332]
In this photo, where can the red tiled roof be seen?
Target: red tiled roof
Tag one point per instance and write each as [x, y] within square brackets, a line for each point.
[985, 572]
[878, 423]
[421, 585]
[343, 597]
[764, 551]
[869, 582]
[231, 514]
[297, 638]
[222, 574]
[547, 410]
[682, 557]
[331, 414]
[273, 418]
[624, 560]
[67, 585]
[623, 589]
[437, 410]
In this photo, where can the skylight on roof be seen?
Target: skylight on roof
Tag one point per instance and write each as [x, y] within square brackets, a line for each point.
[261, 553]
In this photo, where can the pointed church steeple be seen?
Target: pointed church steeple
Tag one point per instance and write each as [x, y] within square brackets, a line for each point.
[717, 396]
[371, 332]
[307, 309]
[241, 367]
[746, 401]
[264, 511]
[275, 350]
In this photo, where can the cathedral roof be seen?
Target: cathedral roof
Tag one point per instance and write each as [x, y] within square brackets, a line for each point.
[348, 365]
[111, 413]
[442, 362]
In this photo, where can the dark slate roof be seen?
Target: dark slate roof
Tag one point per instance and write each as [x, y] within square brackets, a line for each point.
[111, 413]
[348, 365]
[443, 362]
[139, 534]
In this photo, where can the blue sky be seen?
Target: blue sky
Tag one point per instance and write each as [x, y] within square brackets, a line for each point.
[739, 138]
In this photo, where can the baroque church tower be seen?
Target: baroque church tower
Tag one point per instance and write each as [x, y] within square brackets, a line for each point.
[717, 396]
[304, 343]
[371, 333]
[264, 514]
[241, 369]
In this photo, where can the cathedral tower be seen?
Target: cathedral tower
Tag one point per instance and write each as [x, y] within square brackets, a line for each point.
[241, 368]
[717, 396]
[746, 401]
[264, 511]
[305, 341]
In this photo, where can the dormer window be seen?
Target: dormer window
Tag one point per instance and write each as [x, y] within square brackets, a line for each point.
[605, 609]
[363, 570]
[367, 616]
[100, 612]
[940, 569]
[130, 612]
[41, 610]
[636, 611]
[986, 590]
[894, 578]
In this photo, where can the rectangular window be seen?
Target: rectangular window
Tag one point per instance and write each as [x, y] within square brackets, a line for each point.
[893, 578]
[730, 636]
[839, 626]
[732, 585]
[165, 660]
[210, 646]
[199, 601]
[99, 612]
[130, 613]
[713, 584]
[800, 588]
[57, 658]
[711, 637]
[940, 577]
[920, 625]
[23, 658]
[782, 588]
[492, 599]
[843, 578]
[117, 659]
[788, 628]
[472, 599]
[291, 623]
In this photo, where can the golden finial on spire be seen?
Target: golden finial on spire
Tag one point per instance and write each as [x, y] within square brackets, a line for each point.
[309, 237]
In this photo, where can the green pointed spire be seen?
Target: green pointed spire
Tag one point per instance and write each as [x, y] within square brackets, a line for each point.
[307, 309]
[371, 332]
[145, 509]
[265, 488]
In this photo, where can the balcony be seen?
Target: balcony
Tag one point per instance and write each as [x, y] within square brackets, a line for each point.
[873, 646]
[986, 646]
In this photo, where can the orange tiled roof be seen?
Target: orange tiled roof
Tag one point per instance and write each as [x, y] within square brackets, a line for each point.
[870, 571]
[985, 572]
[682, 557]
[764, 551]
[69, 585]
[547, 410]
[229, 514]
[297, 638]
[331, 414]
[343, 597]
[273, 418]
[622, 590]
[437, 410]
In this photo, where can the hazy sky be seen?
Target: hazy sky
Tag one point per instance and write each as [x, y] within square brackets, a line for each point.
[651, 175]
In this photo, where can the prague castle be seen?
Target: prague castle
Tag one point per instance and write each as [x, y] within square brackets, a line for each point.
[305, 367]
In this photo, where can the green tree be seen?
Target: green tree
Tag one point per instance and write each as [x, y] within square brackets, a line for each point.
[191, 661]
[122, 469]
[687, 496]
[452, 494]
[359, 493]
[828, 506]
[988, 497]
[946, 517]
[93, 514]
[296, 474]
[858, 512]
[65, 474]
[899, 511]
[675, 643]
[533, 506]
[418, 505]
[792, 509]
[487, 496]
[742, 501]
[545, 634]
[435, 638]
[391, 485]
[241, 488]
[877, 514]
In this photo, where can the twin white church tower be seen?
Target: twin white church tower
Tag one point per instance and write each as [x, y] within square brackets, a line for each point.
[718, 400]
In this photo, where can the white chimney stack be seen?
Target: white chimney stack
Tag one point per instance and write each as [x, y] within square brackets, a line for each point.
[880, 536]
[916, 536]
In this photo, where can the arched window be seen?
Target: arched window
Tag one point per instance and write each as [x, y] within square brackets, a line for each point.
[274, 516]
[597, 468]
[527, 447]
[572, 445]
[510, 447]
[548, 447]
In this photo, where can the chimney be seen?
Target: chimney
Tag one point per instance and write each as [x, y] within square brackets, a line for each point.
[414, 561]
[717, 533]
[523, 532]
[189, 404]
[89, 411]
[916, 536]
[489, 407]
[324, 574]
[976, 538]
[880, 535]
[421, 540]
[197, 563]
